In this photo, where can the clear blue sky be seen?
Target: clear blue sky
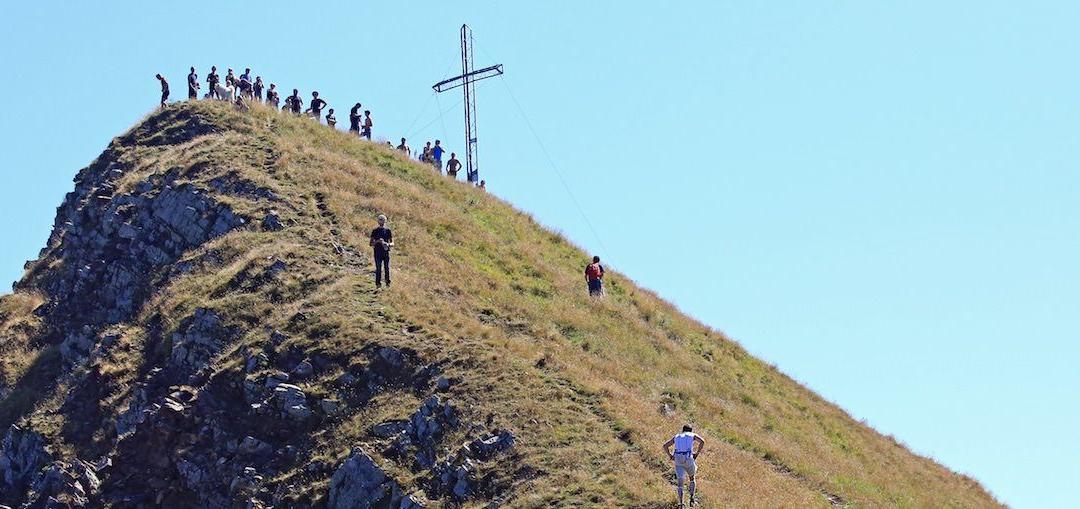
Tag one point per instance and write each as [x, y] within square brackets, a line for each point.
[881, 198]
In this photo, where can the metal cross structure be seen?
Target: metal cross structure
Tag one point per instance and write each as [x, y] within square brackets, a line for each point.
[466, 80]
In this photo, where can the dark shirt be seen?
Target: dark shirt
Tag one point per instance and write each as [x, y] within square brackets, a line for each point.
[354, 121]
[317, 104]
[258, 87]
[193, 81]
[164, 86]
[382, 233]
[212, 78]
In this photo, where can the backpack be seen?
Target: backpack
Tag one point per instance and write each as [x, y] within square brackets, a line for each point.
[592, 271]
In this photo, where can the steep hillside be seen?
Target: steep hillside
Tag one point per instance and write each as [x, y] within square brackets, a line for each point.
[202, 330]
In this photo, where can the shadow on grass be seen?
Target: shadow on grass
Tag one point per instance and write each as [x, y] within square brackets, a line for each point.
[35, 384]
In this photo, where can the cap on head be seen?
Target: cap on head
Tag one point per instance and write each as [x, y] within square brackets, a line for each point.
[687, 428]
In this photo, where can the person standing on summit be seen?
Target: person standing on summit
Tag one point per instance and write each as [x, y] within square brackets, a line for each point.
[354, 119]
[244, 84]
[685, 458]
[436, 156]
[294, 102]
[164, 90]
[594, 277]
[192, 85]
[452, 166]
[316, 106]
[381, 241]
[272, 97]
[366, 133]
[212, 80]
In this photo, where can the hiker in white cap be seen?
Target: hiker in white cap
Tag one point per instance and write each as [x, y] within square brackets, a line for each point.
[684, 458]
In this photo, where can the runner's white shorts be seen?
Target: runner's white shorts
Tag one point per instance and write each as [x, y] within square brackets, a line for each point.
[684, 466]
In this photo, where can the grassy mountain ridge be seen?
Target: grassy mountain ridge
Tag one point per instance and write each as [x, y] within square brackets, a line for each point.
[483, 298]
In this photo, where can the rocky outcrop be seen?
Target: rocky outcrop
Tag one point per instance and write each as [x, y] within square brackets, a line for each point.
[359, 483]
[111, 244]
[201, 338]
[22, 455]
[67, 485]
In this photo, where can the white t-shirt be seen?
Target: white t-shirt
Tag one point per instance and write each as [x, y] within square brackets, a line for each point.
[684, 442]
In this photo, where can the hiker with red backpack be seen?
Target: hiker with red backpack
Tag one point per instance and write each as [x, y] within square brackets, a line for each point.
[594, 277]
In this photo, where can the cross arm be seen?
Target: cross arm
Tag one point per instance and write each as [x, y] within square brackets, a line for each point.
[457, 81]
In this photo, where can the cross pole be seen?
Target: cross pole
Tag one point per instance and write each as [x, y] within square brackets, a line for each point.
[466, 80]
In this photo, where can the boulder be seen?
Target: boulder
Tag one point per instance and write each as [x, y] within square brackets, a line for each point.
[252, 446]
[329, 407]
[486, 448]
[303, 369]
[389, 429]
[442, 384]
[288, 395]
[358, 483]
[271, 222]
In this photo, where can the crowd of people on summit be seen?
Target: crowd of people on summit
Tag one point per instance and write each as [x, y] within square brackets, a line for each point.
[242, 89]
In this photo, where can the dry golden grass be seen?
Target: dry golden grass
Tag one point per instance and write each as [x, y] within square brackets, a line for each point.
[499, 300]
[18, 325]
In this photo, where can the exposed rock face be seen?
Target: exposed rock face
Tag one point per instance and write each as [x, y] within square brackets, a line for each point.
[22, 455]
[202, 338]
[111, 244]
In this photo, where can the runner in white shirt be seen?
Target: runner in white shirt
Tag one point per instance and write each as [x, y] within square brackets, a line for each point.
[684, 457]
